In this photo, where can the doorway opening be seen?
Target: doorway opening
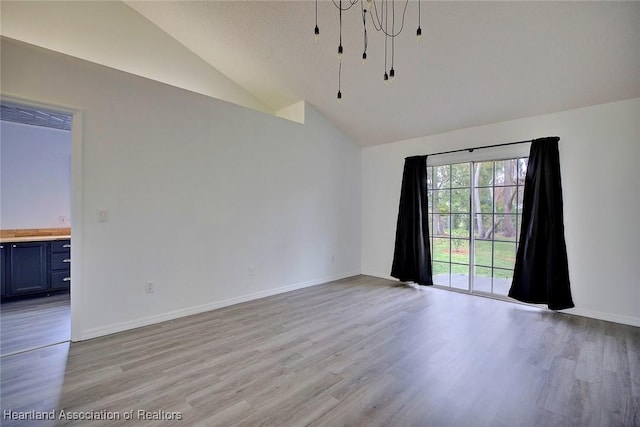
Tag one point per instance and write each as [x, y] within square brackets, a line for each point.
[35, 226]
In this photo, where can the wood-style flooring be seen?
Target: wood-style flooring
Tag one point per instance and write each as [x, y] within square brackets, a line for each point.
[356, 352]
[31, 323]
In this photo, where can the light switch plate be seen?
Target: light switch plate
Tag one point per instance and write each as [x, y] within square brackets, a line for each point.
[103, 215]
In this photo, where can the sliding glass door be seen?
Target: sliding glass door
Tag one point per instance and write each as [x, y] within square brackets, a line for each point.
[475, 213]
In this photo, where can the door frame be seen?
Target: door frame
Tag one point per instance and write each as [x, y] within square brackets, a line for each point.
[77, 206]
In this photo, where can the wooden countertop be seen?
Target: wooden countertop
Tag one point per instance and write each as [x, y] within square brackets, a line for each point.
[32, 239]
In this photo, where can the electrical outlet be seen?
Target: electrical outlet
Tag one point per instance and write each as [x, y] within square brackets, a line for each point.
[251, 271]
[148, 288]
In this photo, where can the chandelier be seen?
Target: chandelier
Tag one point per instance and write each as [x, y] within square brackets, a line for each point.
[383, 18]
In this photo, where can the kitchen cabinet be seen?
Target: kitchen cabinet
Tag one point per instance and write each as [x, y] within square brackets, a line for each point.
[3, 267]
[28, 266]
[60, 264]
[32, 268]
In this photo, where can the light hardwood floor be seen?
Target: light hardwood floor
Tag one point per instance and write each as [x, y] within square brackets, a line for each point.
[356, 352]
[30, 323]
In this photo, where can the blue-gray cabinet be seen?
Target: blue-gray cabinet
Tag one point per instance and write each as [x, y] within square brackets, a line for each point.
[60, 267]
[35, 267]
[27, 267]
[3, 267]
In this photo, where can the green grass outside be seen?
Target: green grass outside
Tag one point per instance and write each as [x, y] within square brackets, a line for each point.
[504, 255]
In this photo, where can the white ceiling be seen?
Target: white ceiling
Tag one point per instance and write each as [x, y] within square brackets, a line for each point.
[477, 63]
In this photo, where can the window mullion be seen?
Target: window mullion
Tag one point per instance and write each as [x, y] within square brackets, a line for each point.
[472, 244]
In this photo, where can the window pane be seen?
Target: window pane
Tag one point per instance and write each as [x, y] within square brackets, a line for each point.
[440, 225]
[505, 199]
[441, 177]
[441, 201]
[440, 250]
[445, 221]
[502, 281]
[505, 227]
[482, 279]
[460, 175]
[506, 172]
[522, 170]
[460, 276]
[485, 197]
[484, 174]
[460, 225]
[441, 273]
[517, 203]
[491, 225]
[498, 178]
[482, 253]
[504, 255]
[460, 251]
[460, 200]
[482, 226]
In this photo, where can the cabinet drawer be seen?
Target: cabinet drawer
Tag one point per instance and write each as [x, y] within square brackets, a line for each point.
[60, 261]
[61, 246]
[60, 280]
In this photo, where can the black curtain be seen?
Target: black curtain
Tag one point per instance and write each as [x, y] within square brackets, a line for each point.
[541, 274]
[412, 255]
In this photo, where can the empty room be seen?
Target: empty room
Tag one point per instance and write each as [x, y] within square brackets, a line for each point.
[322, 213]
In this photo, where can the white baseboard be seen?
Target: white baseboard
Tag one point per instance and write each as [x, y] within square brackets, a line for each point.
[163, 317]
[378, 274]
[610, 317]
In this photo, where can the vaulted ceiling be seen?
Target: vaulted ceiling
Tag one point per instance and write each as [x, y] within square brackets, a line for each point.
[477, 62]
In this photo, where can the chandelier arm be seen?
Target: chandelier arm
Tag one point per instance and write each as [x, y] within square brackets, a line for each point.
[351, 4]
[378, 27]
[381, 28]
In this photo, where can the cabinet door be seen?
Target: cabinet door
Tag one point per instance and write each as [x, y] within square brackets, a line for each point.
[3, 267]
[27, 268]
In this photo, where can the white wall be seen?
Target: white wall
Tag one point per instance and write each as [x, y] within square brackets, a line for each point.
[112, 33]
[197, 191]
[35, 176]
[599, 154]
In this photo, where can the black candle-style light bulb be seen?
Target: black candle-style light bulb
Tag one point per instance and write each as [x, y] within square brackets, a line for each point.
[392, 73]
[339, 97]
[418, 34]
[340, 50]
[316, 32]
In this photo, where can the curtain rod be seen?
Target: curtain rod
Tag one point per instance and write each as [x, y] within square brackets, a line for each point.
[479, 148]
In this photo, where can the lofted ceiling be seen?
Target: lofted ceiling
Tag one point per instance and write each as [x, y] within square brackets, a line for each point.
[478, 62]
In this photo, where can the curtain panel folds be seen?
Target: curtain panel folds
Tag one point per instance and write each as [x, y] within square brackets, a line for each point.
[541, 274]
[412, 254]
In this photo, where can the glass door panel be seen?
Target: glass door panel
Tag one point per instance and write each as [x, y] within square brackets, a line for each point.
[475, 211]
